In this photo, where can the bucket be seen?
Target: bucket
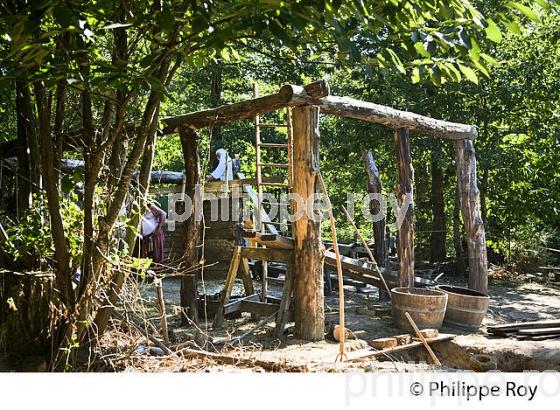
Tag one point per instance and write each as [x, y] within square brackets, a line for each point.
[465, 307]
[425, 306]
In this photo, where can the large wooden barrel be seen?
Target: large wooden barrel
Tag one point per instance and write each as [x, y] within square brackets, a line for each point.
[465, 307]
[425, 306]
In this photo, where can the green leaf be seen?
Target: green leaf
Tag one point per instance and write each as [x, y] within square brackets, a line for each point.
[493, 31]
[419, 47]
[489, 59]
[512, 26]
[396, 61]
[415, 75]
[527, 11]
[544, 4]
[469, 73]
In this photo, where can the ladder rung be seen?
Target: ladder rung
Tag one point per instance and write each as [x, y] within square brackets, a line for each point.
[273, 145]
[273, 125]
[276, 184]
[273, 165]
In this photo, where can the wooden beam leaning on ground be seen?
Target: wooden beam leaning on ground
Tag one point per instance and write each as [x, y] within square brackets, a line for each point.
[287, 95]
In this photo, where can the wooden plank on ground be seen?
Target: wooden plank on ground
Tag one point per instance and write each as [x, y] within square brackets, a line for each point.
[369, 354]
[540, 331]
[523, 325]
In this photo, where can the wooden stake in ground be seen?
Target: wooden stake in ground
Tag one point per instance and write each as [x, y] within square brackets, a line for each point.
[362, 239]
[341, 354]
[161, 303]
[422, 339]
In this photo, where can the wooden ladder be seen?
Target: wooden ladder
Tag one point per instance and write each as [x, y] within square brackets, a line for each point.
[259, 144]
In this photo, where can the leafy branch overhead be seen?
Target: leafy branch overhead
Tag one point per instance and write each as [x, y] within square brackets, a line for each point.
[434, 39]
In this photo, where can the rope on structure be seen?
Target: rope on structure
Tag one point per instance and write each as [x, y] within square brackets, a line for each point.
[341, 353]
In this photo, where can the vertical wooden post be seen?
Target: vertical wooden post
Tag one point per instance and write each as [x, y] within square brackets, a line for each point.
[405, 224]
[309, 310]
[189, 143]
[474, 226]
[374, 186]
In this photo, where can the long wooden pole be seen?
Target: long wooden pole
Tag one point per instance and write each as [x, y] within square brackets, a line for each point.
[380, 114]
[422, 339]
[341, 353]
[368, 250]
[288, 95]
[162, 312]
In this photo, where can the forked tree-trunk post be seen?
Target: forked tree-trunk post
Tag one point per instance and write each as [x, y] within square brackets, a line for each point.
[308, 256]
[405, 224]
[189, 143]
[474, 226]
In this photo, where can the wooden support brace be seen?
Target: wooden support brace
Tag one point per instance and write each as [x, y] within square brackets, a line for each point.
[284, 310]
[226, 293]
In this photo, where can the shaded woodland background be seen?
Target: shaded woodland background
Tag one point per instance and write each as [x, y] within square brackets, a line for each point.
[76, 75]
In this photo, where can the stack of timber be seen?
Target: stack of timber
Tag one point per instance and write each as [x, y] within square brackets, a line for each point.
[361, 270]
[536, 330]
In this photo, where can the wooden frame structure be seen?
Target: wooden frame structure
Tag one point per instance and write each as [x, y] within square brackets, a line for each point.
[306, 270]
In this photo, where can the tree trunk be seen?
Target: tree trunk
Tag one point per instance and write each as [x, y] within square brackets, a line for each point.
[24, 126]
[457, 237]
[308, 253]
[216, 97]
[474, 227]
[483, 195]
[374, 186]
[405, 224]
[191, 257]
[439, 224]
[50, 175]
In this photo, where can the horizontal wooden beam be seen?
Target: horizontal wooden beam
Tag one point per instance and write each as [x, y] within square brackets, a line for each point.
[288, 95]
[212, 186]
[270, 240]
[380, 114]
[259, 308]
[268, 254]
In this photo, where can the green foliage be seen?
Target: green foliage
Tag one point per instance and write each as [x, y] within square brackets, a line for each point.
[31, 236]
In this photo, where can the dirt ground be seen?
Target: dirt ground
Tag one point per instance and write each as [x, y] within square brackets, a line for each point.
[510, 302]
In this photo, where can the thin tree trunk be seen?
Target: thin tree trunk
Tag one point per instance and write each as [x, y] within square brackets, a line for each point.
[216, 97]
[189, 143]
[483, 195]
[23, 175]
[439, 223]
[50, 174]
[374, 186]
[457, 237]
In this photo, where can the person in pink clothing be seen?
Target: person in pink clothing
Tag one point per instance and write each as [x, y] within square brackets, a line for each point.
[152, 233]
